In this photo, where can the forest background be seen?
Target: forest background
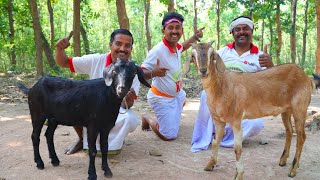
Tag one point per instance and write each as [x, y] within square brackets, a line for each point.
[30, 29]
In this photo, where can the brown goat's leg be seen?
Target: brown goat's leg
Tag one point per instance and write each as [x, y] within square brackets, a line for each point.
[219, 132]
[286, 119]
[237, 131]
[299, 120]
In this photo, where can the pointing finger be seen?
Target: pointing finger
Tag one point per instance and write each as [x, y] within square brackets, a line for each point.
[70, 35]
[265, 48]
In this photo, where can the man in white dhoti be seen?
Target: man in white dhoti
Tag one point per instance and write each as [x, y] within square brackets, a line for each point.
[163, 64]
[240, 55]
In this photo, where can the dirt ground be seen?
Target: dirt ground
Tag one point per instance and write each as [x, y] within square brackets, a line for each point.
[135, 162]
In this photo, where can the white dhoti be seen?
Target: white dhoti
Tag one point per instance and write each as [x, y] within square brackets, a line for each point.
[125, 124]
[204, 128]
[168, 112]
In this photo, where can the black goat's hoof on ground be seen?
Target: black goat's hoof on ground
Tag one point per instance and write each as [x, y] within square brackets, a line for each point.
[108, 174]
[92, 177]
[40, 165]
[55, 162]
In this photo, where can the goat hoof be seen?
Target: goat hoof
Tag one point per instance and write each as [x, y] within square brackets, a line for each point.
[108, 174]
[40, 167]
[55, 163]
[92, 177]
[208, 168]
[291, 174]
[282, 164]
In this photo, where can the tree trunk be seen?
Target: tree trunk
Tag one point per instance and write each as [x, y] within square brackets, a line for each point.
[262, 33]
[317, 2]
[37, 35]
[76, 27]
[305, 32]
[85, 38]
[50, 10]
[122, 14]
[146, 23]
[279, 43]
[293, 50]
[251, 9]
[48, 52]
[271, 34]
[218, 22]
[171, 6]
[195, 24]
[12, 53]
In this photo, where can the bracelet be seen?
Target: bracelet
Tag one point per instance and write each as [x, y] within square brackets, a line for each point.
[196, 37]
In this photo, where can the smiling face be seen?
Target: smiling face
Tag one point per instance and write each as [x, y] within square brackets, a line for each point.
[242, 34]
[172, 32]
[121, 47]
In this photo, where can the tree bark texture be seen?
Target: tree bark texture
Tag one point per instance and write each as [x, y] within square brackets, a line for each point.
[50, 10]
[171, 6]
[37, 38]
[76, 27]
[317, 3]
[122, 14]
[218, 22]
[279, 32]
[305, 32]
[11, 36]
[84, 38]
[293, 50]
[146, 23]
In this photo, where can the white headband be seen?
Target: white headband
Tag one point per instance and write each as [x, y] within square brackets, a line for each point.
[241, 20]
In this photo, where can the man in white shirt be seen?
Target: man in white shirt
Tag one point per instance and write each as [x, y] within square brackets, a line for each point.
[163, 64]
[121, 42]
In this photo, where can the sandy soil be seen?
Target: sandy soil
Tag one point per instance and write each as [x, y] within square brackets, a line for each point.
[135, 162]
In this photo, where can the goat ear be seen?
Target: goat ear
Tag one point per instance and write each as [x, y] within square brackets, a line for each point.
[107, 74]
[141, 77]
[221, 67]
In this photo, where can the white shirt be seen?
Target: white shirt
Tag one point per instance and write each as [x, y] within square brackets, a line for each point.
[170, 83]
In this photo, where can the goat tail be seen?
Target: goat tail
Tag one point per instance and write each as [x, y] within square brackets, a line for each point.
[23, 88]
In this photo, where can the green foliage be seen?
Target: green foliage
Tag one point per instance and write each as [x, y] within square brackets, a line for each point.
[99, 18]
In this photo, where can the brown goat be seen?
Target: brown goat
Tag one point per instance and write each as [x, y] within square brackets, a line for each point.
[233, 96]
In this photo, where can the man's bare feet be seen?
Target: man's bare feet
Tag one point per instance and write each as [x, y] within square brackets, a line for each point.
[148, 123]
[145, 124]
[73, 148]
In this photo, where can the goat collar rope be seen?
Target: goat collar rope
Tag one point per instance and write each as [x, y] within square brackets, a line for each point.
[125, 102]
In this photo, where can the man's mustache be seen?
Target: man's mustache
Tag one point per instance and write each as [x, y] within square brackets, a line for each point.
[239, 35]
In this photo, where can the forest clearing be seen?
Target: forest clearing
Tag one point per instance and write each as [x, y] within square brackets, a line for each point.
[176, 161]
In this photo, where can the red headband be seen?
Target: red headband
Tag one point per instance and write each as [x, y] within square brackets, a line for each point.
[171, 20]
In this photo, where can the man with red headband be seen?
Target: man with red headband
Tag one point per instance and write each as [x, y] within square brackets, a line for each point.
[240, 55]
[163, 64]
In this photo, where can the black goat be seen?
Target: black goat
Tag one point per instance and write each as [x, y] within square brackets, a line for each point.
[91, 103]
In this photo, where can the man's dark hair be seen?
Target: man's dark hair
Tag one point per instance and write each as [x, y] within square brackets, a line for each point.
[172, 15]
[120, 31]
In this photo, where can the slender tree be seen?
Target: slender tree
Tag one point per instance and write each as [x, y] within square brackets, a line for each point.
[293, 50]
[317, 3]
[84, 38]
[171, 6]
[218, 23]
[305, 31]
[11, 36]
[50, 10]
[37, 34]
[76, 27]
[122, 14]
[146, 22]
[279, 32]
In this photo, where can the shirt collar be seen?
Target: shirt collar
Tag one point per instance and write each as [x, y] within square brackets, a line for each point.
[109, 60]
[179, 46]
[254, 49]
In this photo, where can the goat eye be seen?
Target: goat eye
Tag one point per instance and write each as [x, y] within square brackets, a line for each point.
[114, 72]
